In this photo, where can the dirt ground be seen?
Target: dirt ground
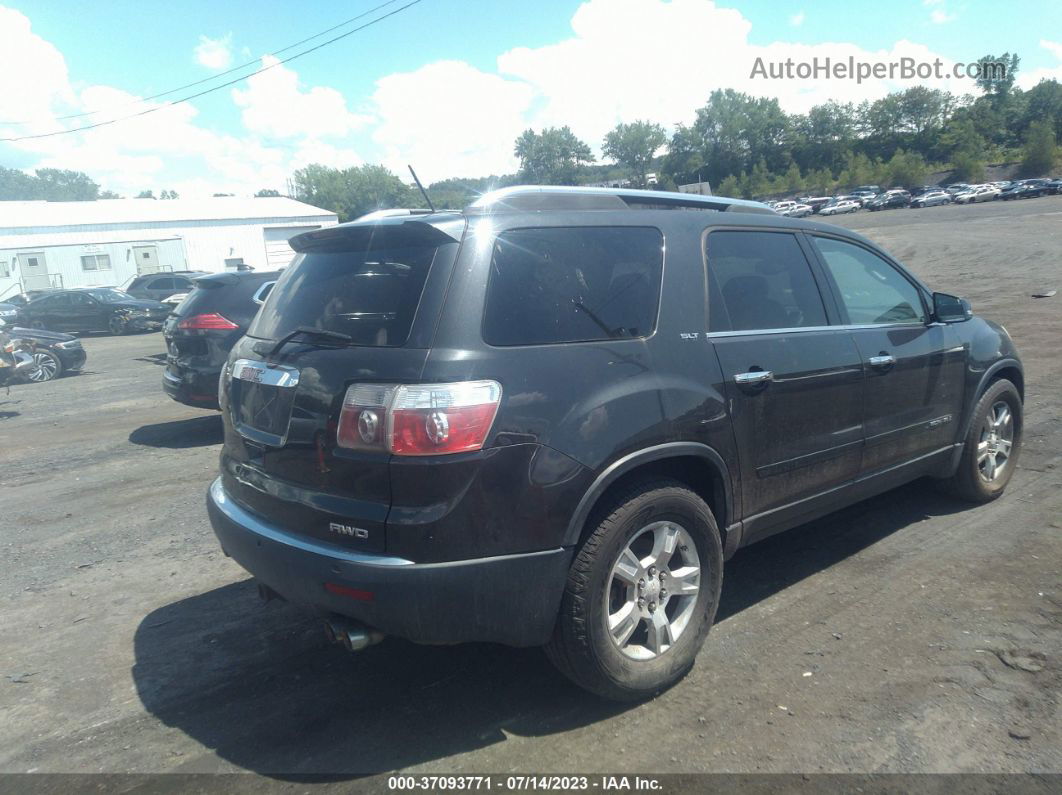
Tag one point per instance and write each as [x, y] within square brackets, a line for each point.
[911, 633]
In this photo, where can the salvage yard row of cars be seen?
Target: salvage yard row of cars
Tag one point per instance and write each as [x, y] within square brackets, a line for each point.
[873, 198]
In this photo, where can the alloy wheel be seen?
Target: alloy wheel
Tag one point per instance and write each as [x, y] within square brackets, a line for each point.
[46, 367]
[652, 590]
[997, 439]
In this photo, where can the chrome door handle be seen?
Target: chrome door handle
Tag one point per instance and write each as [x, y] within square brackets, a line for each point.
[754, 377]
[885, 360]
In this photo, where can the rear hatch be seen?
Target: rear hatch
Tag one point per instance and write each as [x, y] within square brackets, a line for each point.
[215, 314]
[358, 304]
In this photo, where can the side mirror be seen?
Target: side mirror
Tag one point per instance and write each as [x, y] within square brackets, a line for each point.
[950, 309]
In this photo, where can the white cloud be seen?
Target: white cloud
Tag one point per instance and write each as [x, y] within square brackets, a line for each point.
[797, 19]
[1053, 47]
[274, 104]
[449, 119]
[39, 98]
[214, 53]
[938, 16]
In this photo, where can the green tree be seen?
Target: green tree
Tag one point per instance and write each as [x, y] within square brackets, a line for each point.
[633, 146]
[966, 151]
[169, 194]
[552, 157]
[907, 169]
[729, 187]
[109, 194]
[353, 191]
[267, 192]
[998, 73]
[794, 180]
[146, 194]
[1040, 152]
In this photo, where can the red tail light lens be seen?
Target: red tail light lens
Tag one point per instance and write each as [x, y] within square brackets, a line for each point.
[211, 320]
[418, 419]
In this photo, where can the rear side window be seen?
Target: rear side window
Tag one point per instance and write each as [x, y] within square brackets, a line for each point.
[760, 280]
[368, 291]
[573, 284]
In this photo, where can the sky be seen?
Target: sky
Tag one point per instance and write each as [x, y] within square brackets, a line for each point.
[446, 85]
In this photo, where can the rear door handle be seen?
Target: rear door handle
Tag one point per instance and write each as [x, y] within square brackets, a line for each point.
[754, 378]
[882, 361]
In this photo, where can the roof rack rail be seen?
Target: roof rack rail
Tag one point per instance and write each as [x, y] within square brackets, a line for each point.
[392, 212]
[531, 198]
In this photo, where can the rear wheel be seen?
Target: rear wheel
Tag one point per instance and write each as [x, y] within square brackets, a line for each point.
[47, 367]
[641, 594]
[990, 451]
[117, 325]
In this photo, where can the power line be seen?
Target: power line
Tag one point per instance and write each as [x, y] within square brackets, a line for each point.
[214, 88]
[205, 79]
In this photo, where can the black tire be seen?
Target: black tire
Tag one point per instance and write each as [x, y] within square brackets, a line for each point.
[969, 481]
[49, 366]
[117, 325]
[582, 647]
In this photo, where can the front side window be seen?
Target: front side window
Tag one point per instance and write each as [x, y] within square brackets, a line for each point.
[760, 280]
[573, 284]
[871, 290]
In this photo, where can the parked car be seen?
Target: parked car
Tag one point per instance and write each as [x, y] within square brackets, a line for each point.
[931, 199]
[516, 425]
[957, 187]
[840, 208]
[94, 309]
[867, 191]
[160, 286]
[782, 207]
[1054, 186]
[175, 299]
[890, 200]
[1025, 189]
[798, 211]
[982, 193]
[204, 327]
[9, 312]
[54, 354]
[923, 189]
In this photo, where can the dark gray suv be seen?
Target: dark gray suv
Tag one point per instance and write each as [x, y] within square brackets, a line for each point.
[550, 418]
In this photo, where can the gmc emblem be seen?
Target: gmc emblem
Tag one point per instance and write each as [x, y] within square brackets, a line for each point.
[348, 530]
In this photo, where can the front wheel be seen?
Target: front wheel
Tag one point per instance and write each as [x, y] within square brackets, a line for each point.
[990, 450]
[117, 325]
[641, 594]
[47, 367]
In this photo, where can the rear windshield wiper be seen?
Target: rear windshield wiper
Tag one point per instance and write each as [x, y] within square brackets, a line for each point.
[308, 331]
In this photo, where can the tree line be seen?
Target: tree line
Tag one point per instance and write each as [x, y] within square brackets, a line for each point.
[742, 145]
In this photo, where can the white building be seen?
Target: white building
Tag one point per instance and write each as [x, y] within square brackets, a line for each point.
[96, 243]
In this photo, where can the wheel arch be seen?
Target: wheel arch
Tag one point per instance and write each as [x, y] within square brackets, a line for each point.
[697, 465]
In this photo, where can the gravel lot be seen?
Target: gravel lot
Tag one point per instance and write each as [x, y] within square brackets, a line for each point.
[907, 634]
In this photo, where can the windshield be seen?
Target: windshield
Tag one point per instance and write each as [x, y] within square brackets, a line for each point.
[109, 296]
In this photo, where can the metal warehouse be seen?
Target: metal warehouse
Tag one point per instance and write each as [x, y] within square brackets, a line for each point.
[109, 242]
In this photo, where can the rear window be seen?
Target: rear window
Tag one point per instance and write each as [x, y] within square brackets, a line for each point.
[573, 284]
[369, 292]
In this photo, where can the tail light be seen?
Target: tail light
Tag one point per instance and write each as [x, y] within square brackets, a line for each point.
[211, 320]
[418, 419]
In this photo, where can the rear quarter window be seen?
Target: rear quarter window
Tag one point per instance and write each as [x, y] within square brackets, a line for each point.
[573, 284]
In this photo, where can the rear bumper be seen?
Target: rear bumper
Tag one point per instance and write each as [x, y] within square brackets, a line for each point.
[193, 387]
[509, 599]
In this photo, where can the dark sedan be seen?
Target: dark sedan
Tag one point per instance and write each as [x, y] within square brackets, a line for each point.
[54, 353]
[94, 309]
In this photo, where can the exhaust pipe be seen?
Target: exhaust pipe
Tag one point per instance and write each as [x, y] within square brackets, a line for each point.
[349, 634]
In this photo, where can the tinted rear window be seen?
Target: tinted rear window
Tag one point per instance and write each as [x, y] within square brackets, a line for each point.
[573, 284]
[370, 292]
[228, 297]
